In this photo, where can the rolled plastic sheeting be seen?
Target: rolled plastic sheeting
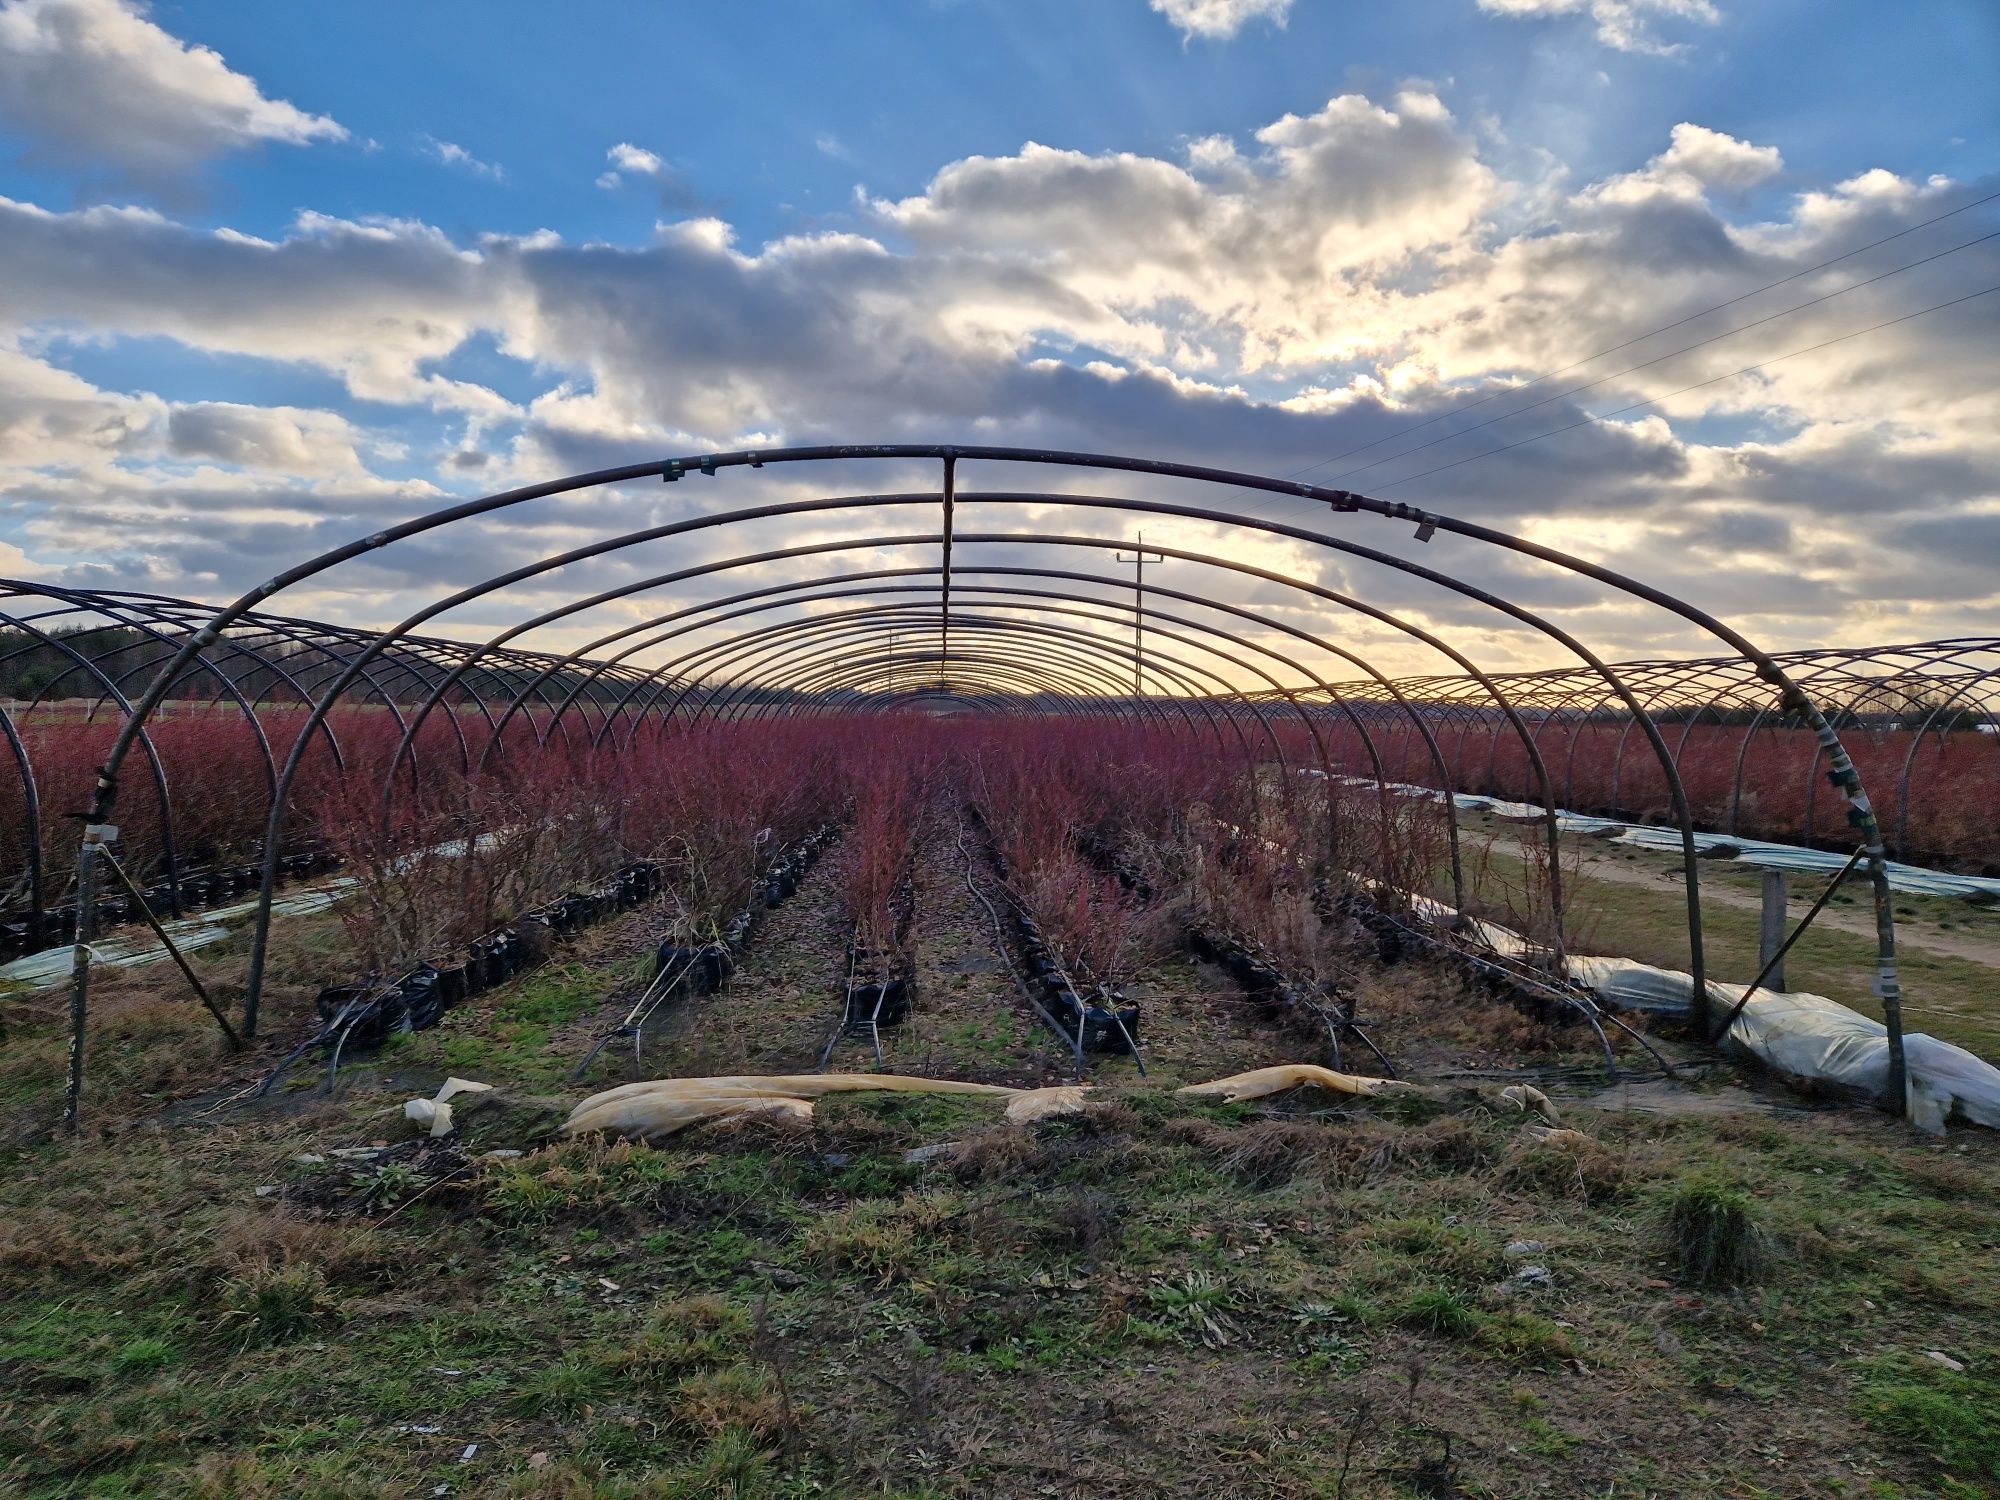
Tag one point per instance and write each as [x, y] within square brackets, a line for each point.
[1261, 1083]
[652, 1110]
[1626, 985]
[1814, 1040]
[1029, 1106]
[1806, 1037]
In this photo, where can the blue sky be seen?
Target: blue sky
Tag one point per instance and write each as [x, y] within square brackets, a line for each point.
[354, 257]
[772, 113]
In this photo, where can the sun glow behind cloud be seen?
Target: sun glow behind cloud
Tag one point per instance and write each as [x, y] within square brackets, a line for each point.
[1344, 277]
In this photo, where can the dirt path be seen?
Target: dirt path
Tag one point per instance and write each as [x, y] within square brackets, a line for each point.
[769, 1015]
[1196, 1024]
[1655, 877]
[969, 1020]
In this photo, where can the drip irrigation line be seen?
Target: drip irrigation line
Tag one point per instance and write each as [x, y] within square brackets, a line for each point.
[348, 1015]
[1642, 337]
[1335, 1017]
[661, 988]
[840, 1021]
[1585, 1007]
[641, 1012]
[1000, 943]
[843, 1023]
[1110, 1008]
[1550, 1073]
[1117, 1020]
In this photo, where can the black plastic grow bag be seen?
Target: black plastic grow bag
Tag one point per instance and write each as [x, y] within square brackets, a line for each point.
[884, 1002]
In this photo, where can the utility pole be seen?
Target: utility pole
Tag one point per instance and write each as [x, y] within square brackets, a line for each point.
[1138, 560]
[948, 494]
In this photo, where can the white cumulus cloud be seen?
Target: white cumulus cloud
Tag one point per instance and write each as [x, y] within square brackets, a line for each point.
[1621, 24]
[96, 86]
[628, 160]
[454, 155]
[1219, 20]
[1362, 278]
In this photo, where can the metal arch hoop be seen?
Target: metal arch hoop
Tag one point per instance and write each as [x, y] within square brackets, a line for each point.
[1771, 670]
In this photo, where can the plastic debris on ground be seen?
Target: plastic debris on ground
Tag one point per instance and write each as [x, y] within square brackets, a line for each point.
[653, 1110]
[1262, 1083]
[436, 1111]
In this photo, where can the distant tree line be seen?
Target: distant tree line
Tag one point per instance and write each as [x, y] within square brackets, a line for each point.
[54, 669]
[31, 666]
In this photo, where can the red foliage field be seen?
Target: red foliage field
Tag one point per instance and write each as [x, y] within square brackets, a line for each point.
[1947, 814]
[710, 802]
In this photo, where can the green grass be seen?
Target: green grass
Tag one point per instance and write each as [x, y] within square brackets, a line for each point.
[1166, 1297]
[1949, 996]
[769, 1312]
[1712, 1235]
[1952, 1418]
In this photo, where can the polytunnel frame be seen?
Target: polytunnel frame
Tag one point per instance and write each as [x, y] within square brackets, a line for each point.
[99, 830]
[1045, 603]
[165, 622]
[873, 543]
[924, 498]
[1944, 679]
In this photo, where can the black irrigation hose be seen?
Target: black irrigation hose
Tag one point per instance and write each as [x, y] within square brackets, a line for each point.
[607, 899]
[1106, 1000]
[1000, 943]
[844, 1023]
[902, 911]
[350, 1015]
[1545, 1075]
[802, 852]
[1295, 993]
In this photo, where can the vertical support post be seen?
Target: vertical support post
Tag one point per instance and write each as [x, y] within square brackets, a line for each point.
[1138, 560]
[949, 495]
[1771, 932]
[95, 836]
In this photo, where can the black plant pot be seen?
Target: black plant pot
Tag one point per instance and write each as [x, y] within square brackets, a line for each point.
[884, 1001]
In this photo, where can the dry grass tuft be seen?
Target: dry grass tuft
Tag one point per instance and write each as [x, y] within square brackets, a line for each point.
[739, 1398]
[882, 1239]
[345, 1254]
[1585, 1171]
[1089, 1220]
[1269, 1153]
[1712, 1234]
[1000, 1152]
[686, 1335]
